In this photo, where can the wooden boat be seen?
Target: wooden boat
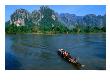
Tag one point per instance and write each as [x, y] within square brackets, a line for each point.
[69, 58]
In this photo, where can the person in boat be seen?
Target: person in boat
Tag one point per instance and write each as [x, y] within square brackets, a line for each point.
[73, 60]
[66, 54]
[62, 51]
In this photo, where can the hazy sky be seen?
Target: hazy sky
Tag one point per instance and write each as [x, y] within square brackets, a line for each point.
[79, 10]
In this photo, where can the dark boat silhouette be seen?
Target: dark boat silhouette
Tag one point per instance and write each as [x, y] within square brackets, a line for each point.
[69, 58]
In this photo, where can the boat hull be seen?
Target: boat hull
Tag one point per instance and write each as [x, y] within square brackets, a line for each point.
[76, 63]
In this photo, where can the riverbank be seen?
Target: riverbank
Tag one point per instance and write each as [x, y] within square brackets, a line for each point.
[50, 33]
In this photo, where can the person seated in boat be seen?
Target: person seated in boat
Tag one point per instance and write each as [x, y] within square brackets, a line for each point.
[65, 54]
[60, 49]
[73, 60]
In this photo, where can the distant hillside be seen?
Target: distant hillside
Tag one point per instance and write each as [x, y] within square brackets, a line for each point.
[46, 18]
[71, 20]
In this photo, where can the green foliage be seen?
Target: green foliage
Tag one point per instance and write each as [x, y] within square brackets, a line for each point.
[103, 29]
[48, 19]
[13, 29]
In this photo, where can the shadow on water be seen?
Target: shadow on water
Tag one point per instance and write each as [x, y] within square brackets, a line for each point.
[73, 65]
[11, 62]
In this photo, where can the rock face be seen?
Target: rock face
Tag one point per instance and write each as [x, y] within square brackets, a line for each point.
[36, 17]
[71, 20]
[44, 17]
[47, 18]
[67, 19]
[20, 17]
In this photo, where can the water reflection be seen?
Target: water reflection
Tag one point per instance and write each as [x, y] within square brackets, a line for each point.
[39, 51]
[11, 62]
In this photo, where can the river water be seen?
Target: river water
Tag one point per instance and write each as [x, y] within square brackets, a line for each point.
[39, 52]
